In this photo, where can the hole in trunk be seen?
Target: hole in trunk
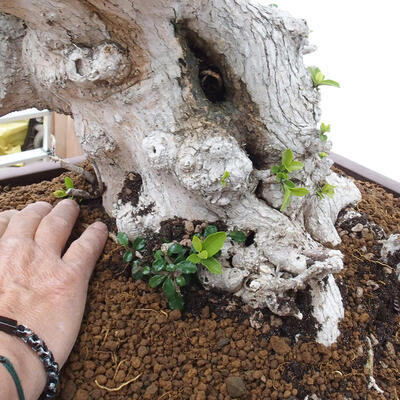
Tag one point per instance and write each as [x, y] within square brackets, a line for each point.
[210, 75]
[250, 239]
[79, 66]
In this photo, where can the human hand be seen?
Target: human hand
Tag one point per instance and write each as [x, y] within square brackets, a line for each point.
[40, 288]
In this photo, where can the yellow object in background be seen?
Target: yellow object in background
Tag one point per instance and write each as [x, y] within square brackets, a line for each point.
[12, 136]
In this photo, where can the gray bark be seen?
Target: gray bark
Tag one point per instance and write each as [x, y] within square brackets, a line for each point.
[132, 74]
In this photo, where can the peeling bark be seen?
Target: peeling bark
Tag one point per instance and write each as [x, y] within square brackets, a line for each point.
[178, 92]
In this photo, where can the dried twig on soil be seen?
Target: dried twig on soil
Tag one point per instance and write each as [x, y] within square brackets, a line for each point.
[369, 368]
[152, 309]
[363, 258]
[119, 387]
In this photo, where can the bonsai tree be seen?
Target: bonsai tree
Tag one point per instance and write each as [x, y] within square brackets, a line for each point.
[202, 110]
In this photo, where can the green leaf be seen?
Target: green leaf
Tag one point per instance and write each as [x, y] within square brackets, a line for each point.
[299, 191]
[313, 71]
[214, 243]
[238, 236]
[170, 267]
[156, 280]
[273, 5]
[224, 178]
[194, 258]
[281, 176]
[158, 265]
[274, 169]
[187, 267]
[180, 281]
[329, 190]
[158, 254]
[295, 166]
[319, 77]
[212, 265]
[325, 128]
[176, 302]
[123, 239]
[139, 243]
[287, 158]
[176, 248]
[69, 184]
[323, 137]
[203, 254]
[197, 244]
[286, 199]
[210, 230]
[169, 287]
[136, 271]
[146, 270]
[60, 193]
[329, 82]
[289, 184]
[322, 154]
[128, 256]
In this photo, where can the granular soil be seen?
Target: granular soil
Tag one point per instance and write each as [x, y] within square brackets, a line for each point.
[131, 346]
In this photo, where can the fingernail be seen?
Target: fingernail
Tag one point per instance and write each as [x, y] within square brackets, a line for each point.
[70, 201]
[100, 226]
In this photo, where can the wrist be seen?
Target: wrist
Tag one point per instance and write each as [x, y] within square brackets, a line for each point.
[27, 365]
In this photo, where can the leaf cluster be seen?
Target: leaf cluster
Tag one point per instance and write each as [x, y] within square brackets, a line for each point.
[323, 130]
[206, 249]
[288, 165]
[177, 267]
[62, 193]
[319, 78]
[326, 190]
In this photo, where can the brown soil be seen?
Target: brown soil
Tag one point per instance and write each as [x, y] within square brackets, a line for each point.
[210, 351]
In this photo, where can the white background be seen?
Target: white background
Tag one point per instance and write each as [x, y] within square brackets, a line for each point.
[359, 47]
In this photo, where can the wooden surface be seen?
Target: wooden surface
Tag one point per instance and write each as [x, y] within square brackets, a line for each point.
[67, 144]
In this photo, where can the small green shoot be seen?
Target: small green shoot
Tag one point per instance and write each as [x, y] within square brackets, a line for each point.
[224, 178]
[62, 193]
[273, 5]
[322, 154]
[322, 130]
[238, 236]
[138, 244]
[319, 78]
[205, 250]
[282, 172]
[326, 190]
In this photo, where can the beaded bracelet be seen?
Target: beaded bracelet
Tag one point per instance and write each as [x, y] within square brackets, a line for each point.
[11, 327]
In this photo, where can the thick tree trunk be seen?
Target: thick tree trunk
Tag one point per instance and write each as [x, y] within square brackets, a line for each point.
[166, 96]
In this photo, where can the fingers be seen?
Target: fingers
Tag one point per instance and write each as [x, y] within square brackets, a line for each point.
[55, 228]
[5, 217]
[23, 224]
[84, 252]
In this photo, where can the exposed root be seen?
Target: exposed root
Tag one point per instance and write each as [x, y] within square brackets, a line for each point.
[80, 194]
[119, 387]
[118, 366]
[98, 176]
[75, 168]
[105, 336]
[369, 368]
